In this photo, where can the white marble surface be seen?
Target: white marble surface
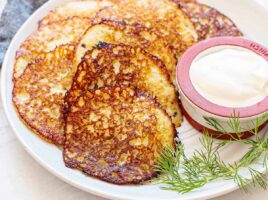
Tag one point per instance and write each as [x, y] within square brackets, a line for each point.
[22, 178]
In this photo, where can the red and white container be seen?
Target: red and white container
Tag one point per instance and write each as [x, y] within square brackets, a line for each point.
[196, 107]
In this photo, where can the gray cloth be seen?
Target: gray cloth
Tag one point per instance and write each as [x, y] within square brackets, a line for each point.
[14, 14]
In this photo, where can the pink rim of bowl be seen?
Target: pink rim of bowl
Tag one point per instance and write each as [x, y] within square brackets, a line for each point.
[186, 86]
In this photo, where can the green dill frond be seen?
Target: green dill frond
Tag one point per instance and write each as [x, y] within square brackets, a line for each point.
[184, 174]
[215, 124]
[257, 178]
[234, 124]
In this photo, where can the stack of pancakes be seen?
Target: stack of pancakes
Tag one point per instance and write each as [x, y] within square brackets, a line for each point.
[98, 79]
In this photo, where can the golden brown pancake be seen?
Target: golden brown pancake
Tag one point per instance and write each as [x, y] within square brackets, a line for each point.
[208, 21]
[134, 35]
[75, 8]
[38, 93]
[47, 38]
[162, 16]
[116, 134]
[110, 64]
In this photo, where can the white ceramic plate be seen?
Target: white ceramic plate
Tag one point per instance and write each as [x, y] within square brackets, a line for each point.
[250, 18]
[2, 6]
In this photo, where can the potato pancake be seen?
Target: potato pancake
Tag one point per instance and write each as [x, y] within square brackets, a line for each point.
[208, 21]
[119, 32]
[74, 8]
[47, 38]
[38, 93]
[133, 35]
[116, 134]
[111, 64]
[162, 16]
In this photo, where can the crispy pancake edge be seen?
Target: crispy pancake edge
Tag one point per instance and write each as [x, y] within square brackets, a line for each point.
[189, 39]
[23, 51]
[48, 20]
[203, 32]
[21, 115]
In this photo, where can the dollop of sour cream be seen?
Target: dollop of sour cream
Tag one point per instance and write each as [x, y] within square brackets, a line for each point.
[230, 77]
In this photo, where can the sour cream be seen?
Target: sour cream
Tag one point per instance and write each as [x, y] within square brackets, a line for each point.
[230, 76]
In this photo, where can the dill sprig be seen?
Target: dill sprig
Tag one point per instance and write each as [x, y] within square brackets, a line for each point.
[184, 174]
